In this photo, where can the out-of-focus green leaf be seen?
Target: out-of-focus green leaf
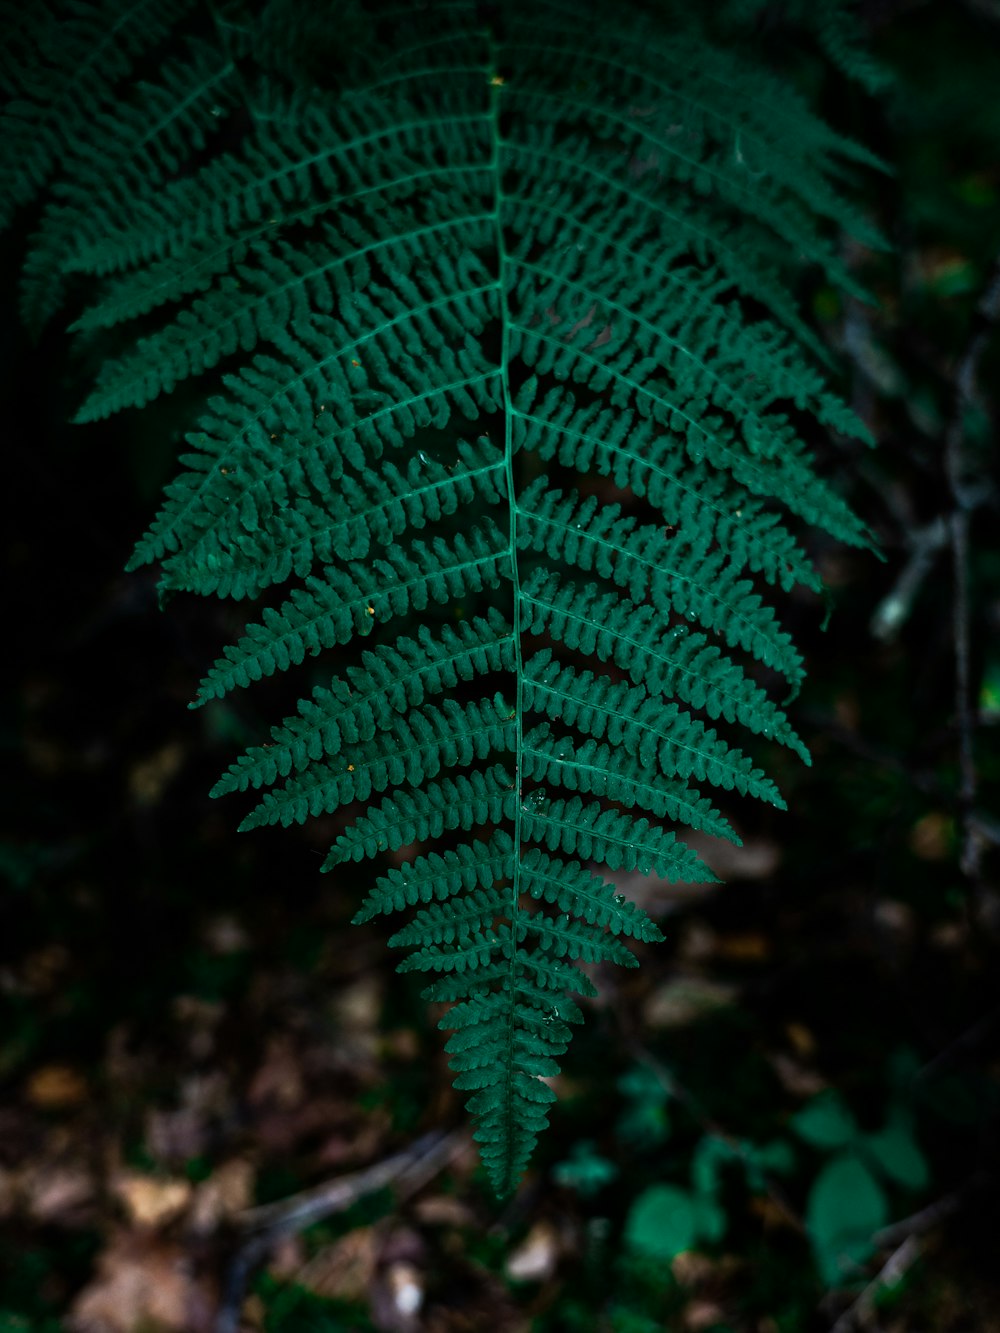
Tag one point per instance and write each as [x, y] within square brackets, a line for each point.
[661, 1222]
[585, 1170]
[827, 1122]
[846, 1207]
[710, 1156]
[644, 1121]
[895, 1151]
[710, 1219]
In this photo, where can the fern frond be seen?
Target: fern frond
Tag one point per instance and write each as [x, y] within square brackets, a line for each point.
[450, 267]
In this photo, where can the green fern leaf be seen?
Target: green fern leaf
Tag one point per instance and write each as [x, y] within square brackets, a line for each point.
[446, 272]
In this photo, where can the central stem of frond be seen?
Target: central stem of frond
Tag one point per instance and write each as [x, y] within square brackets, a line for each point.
[496, 83]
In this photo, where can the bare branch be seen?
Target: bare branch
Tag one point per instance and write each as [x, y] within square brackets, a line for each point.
[266, 1225]
[964, 498]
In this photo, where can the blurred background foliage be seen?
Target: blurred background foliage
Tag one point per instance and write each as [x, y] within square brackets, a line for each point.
[786, 1120]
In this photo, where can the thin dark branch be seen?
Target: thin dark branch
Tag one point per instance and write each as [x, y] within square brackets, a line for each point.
[266, 1225]
[960, 1048]
[903, 1240]
[963, 497]
[894, 609]
[898, 1263]
[918, 1224]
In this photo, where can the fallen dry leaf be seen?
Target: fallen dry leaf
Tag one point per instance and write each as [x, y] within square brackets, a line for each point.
[535, 1259]
[794, 1077]
[254, 1313]
[174, 1137]
[691, 1267]
[401, 1044]
[933, 836]
[278, 1080]
[288, 1258]
[151, 1201]
[444, 1210]
[895, 920]
[357, 1010]
[357, 1142]
[345, 1269]
[225, 934]
[55, 1194]
[277, 1130]
[55, 1088]
[142, 1283]
[684, 1000]
[41, 971]
[697, 941]
[748, 947]
[703, 1314]
[771, 1213]
[227, 1191]
[148, 778]
[200, 1020]
[801, 1038]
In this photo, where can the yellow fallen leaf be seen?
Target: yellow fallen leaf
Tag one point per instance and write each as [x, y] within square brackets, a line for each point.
[149, 1201]
[227, 1191]
[56, 1087]
[536, 1257]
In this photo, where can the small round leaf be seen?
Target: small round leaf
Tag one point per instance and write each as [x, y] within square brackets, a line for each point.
[661, 1222]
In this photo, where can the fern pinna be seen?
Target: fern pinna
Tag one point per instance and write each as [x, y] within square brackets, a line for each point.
[450, 276]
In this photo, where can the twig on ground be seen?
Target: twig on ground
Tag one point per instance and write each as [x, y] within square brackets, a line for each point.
[903, 1239]
[918, 1224]
[264, 1226]
[963, 496]
[894, 609]
[895, 1267]
[960, 1047]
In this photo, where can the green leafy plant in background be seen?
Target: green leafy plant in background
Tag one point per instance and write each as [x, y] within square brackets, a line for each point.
[645, 1118]
[585, 1170]
[435, 283]
[666, 1219]
[697, 1198]
[847, 1203]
